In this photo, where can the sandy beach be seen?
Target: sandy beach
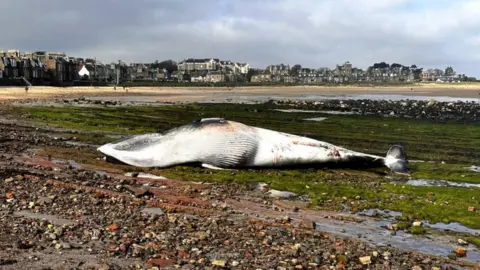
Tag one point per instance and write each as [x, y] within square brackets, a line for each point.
[180, 94]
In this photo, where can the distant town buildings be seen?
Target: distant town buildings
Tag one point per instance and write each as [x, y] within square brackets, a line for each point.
[56, 68]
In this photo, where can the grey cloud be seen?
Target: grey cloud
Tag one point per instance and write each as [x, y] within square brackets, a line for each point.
[313, 33]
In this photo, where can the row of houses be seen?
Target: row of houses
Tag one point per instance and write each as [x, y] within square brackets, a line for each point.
[57, 67]
[379, 72]
[213, 64]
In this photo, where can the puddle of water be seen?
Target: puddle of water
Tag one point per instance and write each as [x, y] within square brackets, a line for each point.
[73, 143]
[388, 215]
[439, 183]
[318, 119]
[371, 232]
[310, 111]
[74, 164]
[474, 168]
[454, 227]
[380, 213]
[392, 97]
[51, 218]
[59, 162]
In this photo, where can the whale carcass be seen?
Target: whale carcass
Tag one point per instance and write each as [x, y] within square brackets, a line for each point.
[218, 143]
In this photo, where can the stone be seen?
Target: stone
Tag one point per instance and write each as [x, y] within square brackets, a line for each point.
[462, 242]
[220, 263]
[342, 259]
[162, 262]
[461, 252]
[365, 260]
[417, 224]
[52, 236]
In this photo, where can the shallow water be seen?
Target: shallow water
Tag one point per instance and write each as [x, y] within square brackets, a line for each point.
[317, 119]
[439, 183]
[379, 212]
[74, 164]
[454, 227]
[312, 111]
[233, 97]
[474, 168]
[393, 97]
[371, 232]
[388, 215]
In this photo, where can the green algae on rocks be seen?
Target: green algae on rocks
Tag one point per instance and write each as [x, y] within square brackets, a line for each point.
[446, 149]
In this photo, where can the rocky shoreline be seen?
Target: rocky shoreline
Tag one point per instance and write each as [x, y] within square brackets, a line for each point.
[432, 109]
[59, 214]
[466, 112]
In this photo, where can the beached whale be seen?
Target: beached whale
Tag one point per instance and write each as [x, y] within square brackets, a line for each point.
[217, 143]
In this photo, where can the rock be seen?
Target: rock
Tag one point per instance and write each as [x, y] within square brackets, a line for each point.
[452, 256]
[161, 262]
[365, 260]
[219, 263]
[112, 227]
[462, 242]
[44, 200]
[417, 224]
[392, 227]
[52, 236]
[309, 225]
[342, 259]
[58, 231]
[461, 252]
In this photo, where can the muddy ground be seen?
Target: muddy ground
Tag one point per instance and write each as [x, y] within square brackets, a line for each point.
[62, 214]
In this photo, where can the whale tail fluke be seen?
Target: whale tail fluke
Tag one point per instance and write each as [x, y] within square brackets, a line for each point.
[396, 159]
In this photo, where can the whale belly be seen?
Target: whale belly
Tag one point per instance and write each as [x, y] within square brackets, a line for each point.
[221, 144]
[280, 149]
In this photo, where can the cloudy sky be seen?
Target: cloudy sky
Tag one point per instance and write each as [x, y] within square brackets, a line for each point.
[314, 33]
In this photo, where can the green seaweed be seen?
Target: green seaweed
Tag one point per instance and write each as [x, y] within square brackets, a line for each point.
[456, 144]
[473, 240]
[417, 230]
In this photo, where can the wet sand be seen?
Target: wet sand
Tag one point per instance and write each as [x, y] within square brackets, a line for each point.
[185, 94]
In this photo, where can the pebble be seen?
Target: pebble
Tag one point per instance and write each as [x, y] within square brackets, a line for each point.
[365, 260]
[219, 263]
[417, 224]
[462, 242]
[461, 252]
